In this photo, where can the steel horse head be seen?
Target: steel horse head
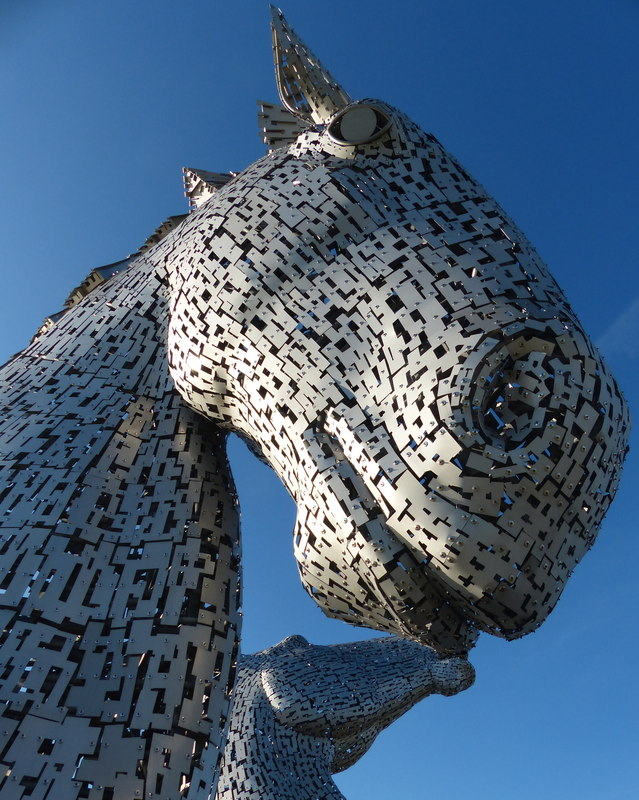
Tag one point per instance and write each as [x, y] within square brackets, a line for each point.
[358, 307]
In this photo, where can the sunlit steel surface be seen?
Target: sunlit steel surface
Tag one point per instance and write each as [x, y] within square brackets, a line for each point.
[360, 310]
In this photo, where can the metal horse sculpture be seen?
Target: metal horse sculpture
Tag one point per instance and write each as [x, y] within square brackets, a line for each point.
[303, 712]
[357, 307]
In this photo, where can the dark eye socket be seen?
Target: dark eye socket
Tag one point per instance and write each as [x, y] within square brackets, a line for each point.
[359, 124]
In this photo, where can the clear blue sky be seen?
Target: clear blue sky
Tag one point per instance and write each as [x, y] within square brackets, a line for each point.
[102, 103]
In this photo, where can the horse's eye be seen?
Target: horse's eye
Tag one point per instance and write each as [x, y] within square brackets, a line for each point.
[358, 124]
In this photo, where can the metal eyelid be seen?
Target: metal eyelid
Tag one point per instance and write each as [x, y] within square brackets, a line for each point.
[359, 123]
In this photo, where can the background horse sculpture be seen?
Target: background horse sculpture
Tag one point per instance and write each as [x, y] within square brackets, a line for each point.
[357, 306]
[303, 712]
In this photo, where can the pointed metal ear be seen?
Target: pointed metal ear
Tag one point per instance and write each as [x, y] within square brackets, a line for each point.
[306, 89]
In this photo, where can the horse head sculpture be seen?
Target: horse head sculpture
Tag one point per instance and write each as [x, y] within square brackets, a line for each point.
[358, 307]
[304, 712]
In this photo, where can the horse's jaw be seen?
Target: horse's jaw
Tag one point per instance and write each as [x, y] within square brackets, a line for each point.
[354, 564]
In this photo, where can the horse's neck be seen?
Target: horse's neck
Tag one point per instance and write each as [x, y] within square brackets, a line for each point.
[119, 553]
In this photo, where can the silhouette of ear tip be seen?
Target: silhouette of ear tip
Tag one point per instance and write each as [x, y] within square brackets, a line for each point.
[306, 88]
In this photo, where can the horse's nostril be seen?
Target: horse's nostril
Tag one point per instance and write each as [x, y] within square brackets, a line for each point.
[516, 400]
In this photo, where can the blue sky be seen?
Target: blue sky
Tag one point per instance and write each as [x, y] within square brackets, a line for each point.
[103, 103]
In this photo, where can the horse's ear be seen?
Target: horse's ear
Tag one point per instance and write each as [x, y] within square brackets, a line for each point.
[306, 89]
